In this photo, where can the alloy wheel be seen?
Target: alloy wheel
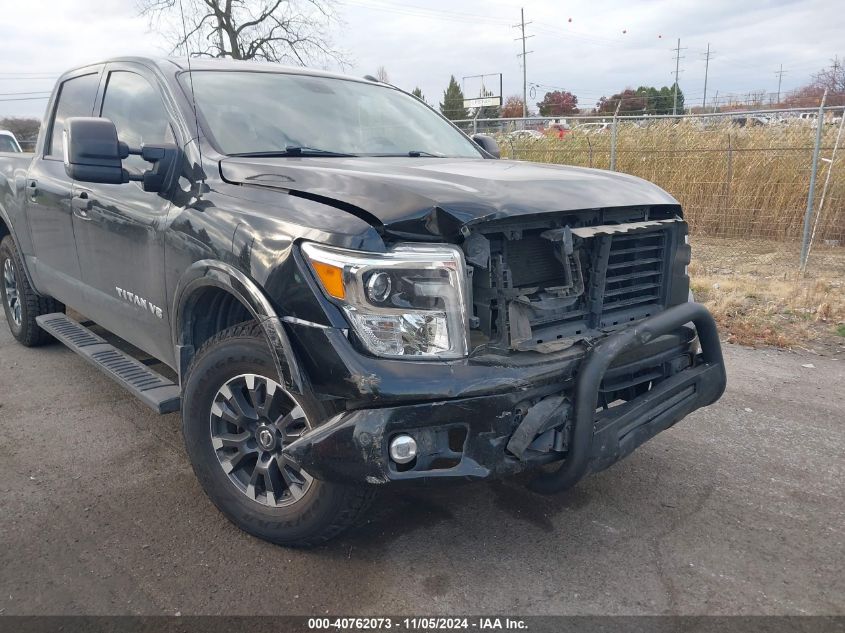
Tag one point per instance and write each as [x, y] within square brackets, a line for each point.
[11, 291]
[252, 419]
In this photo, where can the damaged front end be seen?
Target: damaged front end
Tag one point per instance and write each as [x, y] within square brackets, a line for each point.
[544, 285]
[580, 349]
[650, 373]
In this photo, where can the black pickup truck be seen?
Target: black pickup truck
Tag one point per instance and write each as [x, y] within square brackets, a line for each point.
[339, 289]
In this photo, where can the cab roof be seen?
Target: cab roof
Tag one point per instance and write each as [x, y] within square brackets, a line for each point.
[171, 65]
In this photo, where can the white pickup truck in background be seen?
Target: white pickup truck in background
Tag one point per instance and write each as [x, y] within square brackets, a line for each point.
[8, 142]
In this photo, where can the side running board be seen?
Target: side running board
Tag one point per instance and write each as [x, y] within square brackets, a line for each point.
[153, 389]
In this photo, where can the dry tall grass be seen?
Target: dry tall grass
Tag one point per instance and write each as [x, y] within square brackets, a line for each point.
[754, 290]
[748, 182]
[744, 193]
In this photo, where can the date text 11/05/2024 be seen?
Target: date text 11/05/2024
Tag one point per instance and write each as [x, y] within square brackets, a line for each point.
[492, 623]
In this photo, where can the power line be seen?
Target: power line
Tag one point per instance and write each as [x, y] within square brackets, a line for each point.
[31, 72]
[26, 98]
[28, 78]
[16, 94]
[423, 12]
[599, 41]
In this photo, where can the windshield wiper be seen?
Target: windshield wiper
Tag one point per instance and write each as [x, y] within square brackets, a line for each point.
[414, 153]
[294, 150]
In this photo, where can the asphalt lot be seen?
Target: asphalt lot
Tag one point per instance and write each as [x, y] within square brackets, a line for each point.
[740, 509]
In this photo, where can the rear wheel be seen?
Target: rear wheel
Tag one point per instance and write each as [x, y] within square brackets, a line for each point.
[236, 419]
[20, 302]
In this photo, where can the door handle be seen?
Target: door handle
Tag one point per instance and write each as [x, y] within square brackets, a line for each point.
[81, 205]
[32, 189]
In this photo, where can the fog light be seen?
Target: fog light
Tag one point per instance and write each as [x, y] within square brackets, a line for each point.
[403, 449]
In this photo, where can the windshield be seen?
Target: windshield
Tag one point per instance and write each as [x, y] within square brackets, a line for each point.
[262, 112]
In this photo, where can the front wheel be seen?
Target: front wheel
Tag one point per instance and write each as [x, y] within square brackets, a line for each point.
[236, 418]
[20, 302]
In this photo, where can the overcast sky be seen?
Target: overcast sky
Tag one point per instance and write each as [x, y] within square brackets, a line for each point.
[590, 48]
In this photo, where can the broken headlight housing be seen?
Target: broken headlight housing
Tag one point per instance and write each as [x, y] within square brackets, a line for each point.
[409, 302]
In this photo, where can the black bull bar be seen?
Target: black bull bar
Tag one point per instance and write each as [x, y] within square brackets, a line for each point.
[596, 446]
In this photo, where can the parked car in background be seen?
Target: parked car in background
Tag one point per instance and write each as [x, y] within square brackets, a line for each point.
[520, 135]
[749, 121]
[558, 128]
[593, 127]
[8, 142]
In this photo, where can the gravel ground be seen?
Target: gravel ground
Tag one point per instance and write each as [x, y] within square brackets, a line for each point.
[740, 509]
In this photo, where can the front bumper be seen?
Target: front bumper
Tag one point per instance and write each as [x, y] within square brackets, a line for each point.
[535, 423]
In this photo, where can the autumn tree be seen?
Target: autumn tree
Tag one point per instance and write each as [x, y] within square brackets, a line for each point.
[286, 31]
[804, 97]
[452, 106]
[558, 103]
[512, 108]
[628, 101]
[643, 100]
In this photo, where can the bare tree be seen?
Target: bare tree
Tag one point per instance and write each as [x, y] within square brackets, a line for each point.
[24, 129]
[382, 76]
[832, 77]
[287, 31]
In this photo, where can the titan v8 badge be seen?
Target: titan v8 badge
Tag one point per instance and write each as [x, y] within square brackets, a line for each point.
[139, 301]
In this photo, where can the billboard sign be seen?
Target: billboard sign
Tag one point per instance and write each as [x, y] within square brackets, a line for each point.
[482, 102]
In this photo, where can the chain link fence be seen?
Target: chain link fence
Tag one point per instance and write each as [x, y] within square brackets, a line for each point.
[741, 175]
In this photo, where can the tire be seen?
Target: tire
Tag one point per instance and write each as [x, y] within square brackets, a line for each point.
[20, 302]
[241, 478]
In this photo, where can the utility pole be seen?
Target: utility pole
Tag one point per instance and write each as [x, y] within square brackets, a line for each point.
[706, 69]
[678, 59]
[780, 73]
[521, 25]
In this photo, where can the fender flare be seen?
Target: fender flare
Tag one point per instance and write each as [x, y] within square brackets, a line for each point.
[4, 217]
[207, 272]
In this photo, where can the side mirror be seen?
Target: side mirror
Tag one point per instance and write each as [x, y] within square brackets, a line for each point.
[93, 153]
[488, 144]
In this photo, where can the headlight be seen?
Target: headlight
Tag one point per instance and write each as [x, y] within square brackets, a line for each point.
[409, 302]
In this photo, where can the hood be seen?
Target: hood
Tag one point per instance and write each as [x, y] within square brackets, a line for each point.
[419, 198]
